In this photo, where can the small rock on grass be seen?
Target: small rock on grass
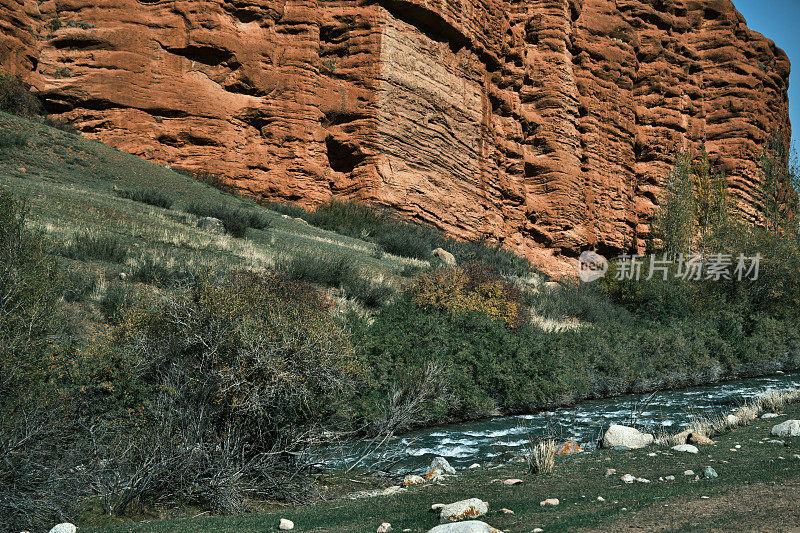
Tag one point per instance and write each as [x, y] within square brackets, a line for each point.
[610, 471]
[513, 481]
[688, 448]
[669, 478]
[386, 527]
[538, 530]
[627, 478]
[601, 499]
[463, 509]
[506, 511]
[549, 502]
[710, 473]
[688, 472]
[470, 526]
[285, 524]
[769, 415]
[64, 527]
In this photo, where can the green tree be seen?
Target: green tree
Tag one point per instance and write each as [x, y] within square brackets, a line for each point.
[779, 186]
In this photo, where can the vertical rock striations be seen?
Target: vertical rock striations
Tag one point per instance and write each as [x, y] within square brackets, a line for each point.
[546, 125]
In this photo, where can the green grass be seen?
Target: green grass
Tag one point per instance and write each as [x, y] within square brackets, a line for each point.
[70, 184]
[577, 481]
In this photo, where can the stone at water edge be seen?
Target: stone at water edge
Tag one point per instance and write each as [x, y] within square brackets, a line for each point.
[386, 527]
[440, 463]
[285, 524]
[470, 526]
[474, 465]
[569, 448]
[434, 475]
[688, 448]
[412, 479]
[64, 527]
[549, 502]
[790, 428]
[463, 509]
[710, 473]
[629, 437]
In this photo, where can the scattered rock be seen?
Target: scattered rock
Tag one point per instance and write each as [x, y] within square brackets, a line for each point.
[513, 481]
[652, 454]
[629, 437]
[568, 448]
[627, 478]
[732, 420]
[436, 507]
[738, 446]
[470, 526]
[688, 448]
[412, 479]
[474, 465]
[710, 473]
[776, 441]
[464, 509]
[790, 428]
[123, 276]
[212, 224]
[285, 524]
[440, 463]
[538, 530]
[64, 527]
[688, 473]
[386, 527]
[22, 169]
[551, 502]
[642, 480]
[601, 499]
[434, 475]
[696, 438]
[610, 471]
[769, 415]
[446, 257]
[394, 489]
[669, 478]
[506, 511]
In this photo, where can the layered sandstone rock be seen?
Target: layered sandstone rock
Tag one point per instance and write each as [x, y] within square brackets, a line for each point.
[546, 125]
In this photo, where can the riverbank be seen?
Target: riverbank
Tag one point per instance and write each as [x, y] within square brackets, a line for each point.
[756, 490]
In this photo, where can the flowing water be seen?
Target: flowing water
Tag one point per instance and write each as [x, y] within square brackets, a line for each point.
[497, 438]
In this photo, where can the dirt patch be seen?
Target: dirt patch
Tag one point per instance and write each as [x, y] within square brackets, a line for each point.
[769, 507]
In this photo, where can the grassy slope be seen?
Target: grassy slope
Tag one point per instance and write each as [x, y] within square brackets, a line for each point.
[69, 182]
[754, 489]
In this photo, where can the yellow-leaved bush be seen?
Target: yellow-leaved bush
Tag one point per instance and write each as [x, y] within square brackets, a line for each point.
[472, 288]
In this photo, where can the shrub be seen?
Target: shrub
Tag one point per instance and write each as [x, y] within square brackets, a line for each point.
[156, 269]
[62, 124]
[369, 292]
[323, 267]
[472, 288]
[77, 284]
[235, 220]
[116, 299]
[244, 379]
[152, 197]
[16, 97]
[87, 246]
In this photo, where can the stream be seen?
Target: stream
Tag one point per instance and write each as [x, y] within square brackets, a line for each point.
[497, 438]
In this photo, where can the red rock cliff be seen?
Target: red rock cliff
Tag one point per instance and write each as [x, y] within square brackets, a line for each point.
[547, 125]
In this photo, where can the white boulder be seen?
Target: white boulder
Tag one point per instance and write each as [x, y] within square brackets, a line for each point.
[285, 524]
[790, 428]
[463, 510]
[629, 437]
[440, 463]
[470, 526]
[386, 527]
[732, 420]
[688, 448]
[64, 527]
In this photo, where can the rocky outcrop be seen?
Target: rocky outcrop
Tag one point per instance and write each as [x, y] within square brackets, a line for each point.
[546, 125]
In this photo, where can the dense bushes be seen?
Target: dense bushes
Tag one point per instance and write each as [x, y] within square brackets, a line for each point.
[16, 98]
[242, 376]
[86, 246]
[235, 220]
[152, 197]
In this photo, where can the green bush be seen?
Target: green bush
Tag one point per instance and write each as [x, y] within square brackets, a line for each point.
[60, 124]
[10, 140]
[78, 283]
[235, 220]
[326, 268]
[116, 299]
[156, 269]
[86, 246]
[152, 197]
[16, 97]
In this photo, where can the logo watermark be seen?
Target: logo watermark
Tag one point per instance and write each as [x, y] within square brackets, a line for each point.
[712, 267]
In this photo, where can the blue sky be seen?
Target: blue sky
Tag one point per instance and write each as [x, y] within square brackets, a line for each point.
[778, 20]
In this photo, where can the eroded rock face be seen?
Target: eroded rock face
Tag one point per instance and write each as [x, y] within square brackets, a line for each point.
[546, 125]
